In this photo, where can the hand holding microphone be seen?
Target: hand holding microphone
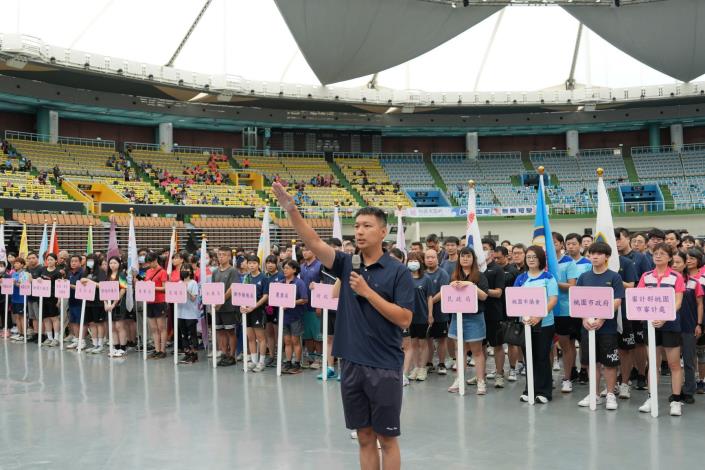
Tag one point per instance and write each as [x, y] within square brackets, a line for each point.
[357, 282]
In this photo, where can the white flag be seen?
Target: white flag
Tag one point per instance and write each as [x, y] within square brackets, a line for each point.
[472, 233]
[133, 264]
[604, 228]
[3, 251]
[172, 249]
[202, 262]
[337, 227]
[401, 238]
[52, 238]
[263, 249]
[43, 246]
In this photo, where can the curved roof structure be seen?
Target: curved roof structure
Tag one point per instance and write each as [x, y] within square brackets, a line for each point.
[430, 45]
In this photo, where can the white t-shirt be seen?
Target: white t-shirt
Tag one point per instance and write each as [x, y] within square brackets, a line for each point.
[189, 310]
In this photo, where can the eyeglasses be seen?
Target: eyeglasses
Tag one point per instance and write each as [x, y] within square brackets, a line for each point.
[531, 257]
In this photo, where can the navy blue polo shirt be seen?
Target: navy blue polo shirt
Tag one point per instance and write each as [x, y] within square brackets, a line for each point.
[362, 334]
[73, 277]
[310, 273]
[607, 279]
[641, 263]
[439, 278]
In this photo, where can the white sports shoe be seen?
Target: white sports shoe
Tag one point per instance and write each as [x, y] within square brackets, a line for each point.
[556, 365]
[611, 402]
[585, 402]
[481, 387]
[624, 391]
[646, 407]
[414, 373]
[676, 408]
[566, 386]
[512, 377]
[455, 387]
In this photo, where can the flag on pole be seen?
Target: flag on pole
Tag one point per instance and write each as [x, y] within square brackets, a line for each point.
[604, 227]
[293, 250]
[133, 264]
[337, 226]
[542, 228]
[24, 249]
[472, 233]
[3, 250]
[43, 246]
[172, 250]
[264, 246]
[113, 249]
[401, 238]
[52, 239]
[202, 277]
[89, 242]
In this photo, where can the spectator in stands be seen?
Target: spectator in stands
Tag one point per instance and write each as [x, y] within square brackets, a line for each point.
[8, 164]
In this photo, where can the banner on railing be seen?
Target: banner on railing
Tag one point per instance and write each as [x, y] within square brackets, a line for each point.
[442, 212]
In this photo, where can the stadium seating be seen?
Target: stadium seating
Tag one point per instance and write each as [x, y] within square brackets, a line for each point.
[656, 162]
[144, 192]
[85, 160]
[557, 163]
[23, 185]
[499, 167]
[609, 160]
[376, 188]
[226, 194]
[409, 170]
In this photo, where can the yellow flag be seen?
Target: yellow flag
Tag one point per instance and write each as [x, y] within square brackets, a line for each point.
[24, 250]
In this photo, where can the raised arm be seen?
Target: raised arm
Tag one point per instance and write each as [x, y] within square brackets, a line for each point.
[324, 252]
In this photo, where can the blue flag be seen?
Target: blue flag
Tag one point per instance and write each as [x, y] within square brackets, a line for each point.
[542, 231]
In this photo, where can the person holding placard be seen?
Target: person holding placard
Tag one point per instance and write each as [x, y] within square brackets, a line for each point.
[376, 298]
[226, 320]
[95, 315]
[293, 320]
[668, 334]
[256, 317]
[118, 308]
[157, 309]
[422, 318]
[542, 329]
[189, 314]
[691, 315]
[439, 327]
[5, 274]
[607, 333]
[34, 269]
[20, 276]
[467, 273]
[74, 275]
[272, 274]
[50, 313]
[310, 273]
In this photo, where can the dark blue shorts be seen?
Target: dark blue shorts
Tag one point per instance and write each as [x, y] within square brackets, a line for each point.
[371, 398]
[75, 314]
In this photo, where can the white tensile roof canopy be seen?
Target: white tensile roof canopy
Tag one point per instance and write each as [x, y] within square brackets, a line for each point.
[428, 45]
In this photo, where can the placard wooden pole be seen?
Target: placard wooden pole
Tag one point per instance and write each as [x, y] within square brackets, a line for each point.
[61, 322]
[7, 331]
[80, 326]
[144, 330]
[176, 333]
[41, 320]
[213, 339]
[244, 342]
[24, 310]
[280, 341]
[324, 366]
[460, 353]
[653, 370]
[592, 368]
[111, 348]
[529, 363]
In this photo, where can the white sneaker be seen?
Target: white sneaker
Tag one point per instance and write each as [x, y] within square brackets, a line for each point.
[611, 402]
[251, 365]
[521, 368]
[481, 387]
[455, 387]
[72, 345]
[512, 375]
[353, 434]
[566, 386]
[676, 408]
[259, 367]
[97, 350]
[406, 381]
[646, 407]
[490, 351]
[47, 342]
[541, 399]
[471, 362]
[585, 402]
[624, 391]
[15, 337]
[499, 381]
[471, 381]
[14, 330]
[454, 366]
[54, 343]
[422, 374]
[414, 373]
[556, 365]
[490, 375]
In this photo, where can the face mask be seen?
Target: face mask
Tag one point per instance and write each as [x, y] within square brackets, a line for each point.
[90, 264]
[414, 266]
[141, 259]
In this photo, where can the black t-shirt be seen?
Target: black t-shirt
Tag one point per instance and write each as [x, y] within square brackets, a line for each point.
[51, 276]
[422, 290]
[36, 273]
[495, 280]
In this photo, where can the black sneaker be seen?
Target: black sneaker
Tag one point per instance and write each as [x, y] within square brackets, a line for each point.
[574, 374]
[286, 367]
[641, 382]
[442, 369]
[675, 398]
[295, 369]
[687, 399]
[430, 368]
[634, 374]
[187, 359]
[665, 371]
[583, 377]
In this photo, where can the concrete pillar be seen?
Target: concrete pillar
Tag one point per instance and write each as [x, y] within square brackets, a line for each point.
[165, 136]
[572, 142]
[472, 145]
[48, 124]
[654, 135]
[677, 136]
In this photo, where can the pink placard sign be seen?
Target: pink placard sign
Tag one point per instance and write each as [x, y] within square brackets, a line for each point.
[26, 288]
[62, 288]
[175, 292]
[322, 296]
[7, 286]
[526, 301]
[213, 293]
[41, 287]
[459, 299]
[109, 290]
[244, 295]
[591, 302]
[657, 303]
[85, 291]
[282, 295]
[144, 291]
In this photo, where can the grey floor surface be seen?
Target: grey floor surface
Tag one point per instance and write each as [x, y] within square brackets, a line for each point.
[62, 411]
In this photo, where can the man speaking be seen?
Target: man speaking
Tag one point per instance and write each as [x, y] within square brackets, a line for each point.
[376, 298]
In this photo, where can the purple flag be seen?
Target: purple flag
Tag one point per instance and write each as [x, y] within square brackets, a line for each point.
[113, 249]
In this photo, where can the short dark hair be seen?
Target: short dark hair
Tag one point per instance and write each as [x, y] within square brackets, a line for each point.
[674, 232]
[698, 255]
[490, 242]
[506, 241]
[398, 254]
[520, 246]
[150, 257]
[656, 233]
[540, 255]
[271, 259]
[586, 235]
[502, 249]
[373, 211]
[452, 239]
[558, 237]
[573, 235]
[417, 244]
[600, 248]
[252, 258]
[639, 234]
[226, 249]
[689, 238]
[431, 238]
[664, 247]
[333, 241]
[78, 257]
[293, 265]
[619, 231]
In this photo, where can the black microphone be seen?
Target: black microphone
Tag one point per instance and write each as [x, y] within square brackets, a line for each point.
[356, 262]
